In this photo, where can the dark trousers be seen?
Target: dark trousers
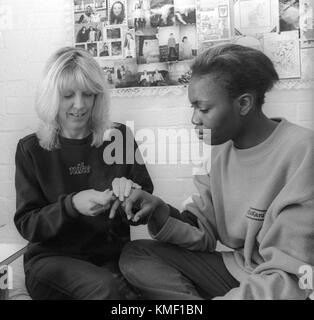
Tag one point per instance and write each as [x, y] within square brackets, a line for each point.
[66, 278]
[168, 272]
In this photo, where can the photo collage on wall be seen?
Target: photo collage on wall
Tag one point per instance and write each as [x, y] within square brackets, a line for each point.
[143, 43]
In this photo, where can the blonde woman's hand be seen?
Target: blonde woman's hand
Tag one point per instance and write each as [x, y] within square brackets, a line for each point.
[91, 202]
[122, 188]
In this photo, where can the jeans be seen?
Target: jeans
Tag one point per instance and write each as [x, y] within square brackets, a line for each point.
[168, 272]
[67, 278]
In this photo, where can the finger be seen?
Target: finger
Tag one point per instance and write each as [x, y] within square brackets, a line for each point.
[122, 184]
[136, 186]
[116, 187]
[129, 203]
[128, 186]
[114, 208]
[145, 210]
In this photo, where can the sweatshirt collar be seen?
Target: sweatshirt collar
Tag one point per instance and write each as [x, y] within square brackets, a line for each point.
[264, 147]
[74, 142]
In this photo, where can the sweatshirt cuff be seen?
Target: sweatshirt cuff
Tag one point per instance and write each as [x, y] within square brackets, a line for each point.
[160, 234]
[69, 207]
[167, 230]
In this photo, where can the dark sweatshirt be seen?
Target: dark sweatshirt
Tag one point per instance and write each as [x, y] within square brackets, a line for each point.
[45, 182]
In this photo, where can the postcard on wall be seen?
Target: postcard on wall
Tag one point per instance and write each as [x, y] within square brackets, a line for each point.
[205, 45]
[255, 42]
[307, 63]
[307, 43]
[147, 49]
[169, 39]
[154, 74]
[255, 16]
[307, 19]
[284, 50]
[109, 72]
[179, 73]
[129, 44]
[125, 73]
[289, 15]
[161, 13]
[213, 20]
[185, 11]
[139, 15]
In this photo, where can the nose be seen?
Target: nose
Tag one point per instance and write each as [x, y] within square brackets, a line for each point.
[196, 119]
[78, 102]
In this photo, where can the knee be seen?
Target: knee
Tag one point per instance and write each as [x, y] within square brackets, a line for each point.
[109, 289]
[133, 257]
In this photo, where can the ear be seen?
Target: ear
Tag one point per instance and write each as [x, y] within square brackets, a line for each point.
[245, 103]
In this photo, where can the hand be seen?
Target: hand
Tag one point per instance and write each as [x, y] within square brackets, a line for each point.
[146, 204]
[122, 188]
[92, 202]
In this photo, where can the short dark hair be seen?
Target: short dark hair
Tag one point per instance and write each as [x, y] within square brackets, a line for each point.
[239, 69]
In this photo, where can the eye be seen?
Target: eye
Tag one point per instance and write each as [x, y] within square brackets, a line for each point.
[68, 95]
[88, 94]
[205, 110]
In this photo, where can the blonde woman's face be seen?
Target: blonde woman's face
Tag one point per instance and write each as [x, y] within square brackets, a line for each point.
[75, 111]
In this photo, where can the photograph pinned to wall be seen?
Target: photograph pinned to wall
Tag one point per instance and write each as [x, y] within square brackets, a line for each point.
[92, 49]
[147, 49]
[213, 20]
[255, 16]
[79, 6]
[284, 51]
[104, 49]
[116, 49]
[129, 44]
[162, 13]
[108, 68]
[179, 73]
[85, 33]
[185, 11]
[255, 42]
[95, 32]
[100, 4]
[139, 17]
[153, 75]
[205, 45]
[188, 42]
[307, 63]
[126, 73]
[117, 12]
[307, 19]
[169, 39]
[80, 45]
[306, 43]
[289, 15]
[112, 33]
[86, 12]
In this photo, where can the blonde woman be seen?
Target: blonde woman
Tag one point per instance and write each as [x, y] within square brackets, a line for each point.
[64, 179]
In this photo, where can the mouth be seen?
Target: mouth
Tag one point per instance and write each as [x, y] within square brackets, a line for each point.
[77, 115]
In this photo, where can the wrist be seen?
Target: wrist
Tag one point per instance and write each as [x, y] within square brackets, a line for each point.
[69, 206]
[160, 215]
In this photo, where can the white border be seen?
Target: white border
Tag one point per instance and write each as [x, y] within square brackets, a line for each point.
[291, 84]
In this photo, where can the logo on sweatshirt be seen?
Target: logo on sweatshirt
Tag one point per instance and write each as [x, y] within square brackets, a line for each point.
[256, 214]
[80, 169]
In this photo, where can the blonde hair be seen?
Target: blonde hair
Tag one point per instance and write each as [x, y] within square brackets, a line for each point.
[67, 66]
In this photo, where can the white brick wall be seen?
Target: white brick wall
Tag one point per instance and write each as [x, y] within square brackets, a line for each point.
[38, 28]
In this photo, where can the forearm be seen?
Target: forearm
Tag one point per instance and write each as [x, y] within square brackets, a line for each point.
[169, 225]
[46, 221]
